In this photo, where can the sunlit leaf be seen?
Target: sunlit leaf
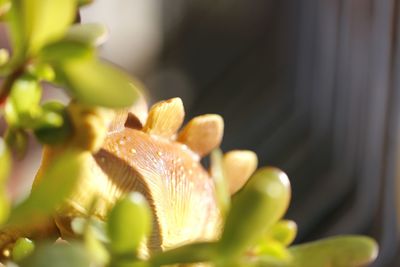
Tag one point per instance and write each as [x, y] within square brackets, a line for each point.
[129, 222]
[5, 6]
[97, 83]
[90, 33]
[345, 251]
[42, 71]
[60, 255]
[5, 162]
[54, 125]
[259, 205]
[272, 248]
[22, 248]
[4, 56]
[191, 253]
[283, 231]
[221, 185]
[95, 248]
[22, 103]
[51, 190]
[41, 21]
[66, 50]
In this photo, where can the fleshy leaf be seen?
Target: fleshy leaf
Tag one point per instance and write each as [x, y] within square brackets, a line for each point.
[284, 232]
[259, 205]
[39, 22]
[54, 126]
[51, 190]
[98, 83]
[345, 251]
[22, 248]
[221, 185]
[66, 50]
[5, 161]
[129, 222]
[59, 255]
[92, 34]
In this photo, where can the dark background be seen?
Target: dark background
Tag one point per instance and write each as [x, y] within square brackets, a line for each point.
[312, 86]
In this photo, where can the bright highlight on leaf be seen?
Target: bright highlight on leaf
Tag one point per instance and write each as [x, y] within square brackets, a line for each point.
[92, 34]
[22, 248]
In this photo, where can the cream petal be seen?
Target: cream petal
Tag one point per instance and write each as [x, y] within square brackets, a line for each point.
[165, 118]
[239, 165]
[203, 133]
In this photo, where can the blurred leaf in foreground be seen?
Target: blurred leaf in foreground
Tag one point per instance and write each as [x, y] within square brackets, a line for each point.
[58, 255]
[17, 139]
[41, 21]
[129, 222]
[22, 248]
[345, 251]
[92, 34]
[57, 182]
[5, 161]
[98, 83]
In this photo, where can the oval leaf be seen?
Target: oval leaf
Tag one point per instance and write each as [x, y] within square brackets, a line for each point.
[345, 251]
[90, 33]
[260, 204]
[100, 84]
[129, 222]
[56, 184]
[22, 248]
[43, 21]
[59, 255]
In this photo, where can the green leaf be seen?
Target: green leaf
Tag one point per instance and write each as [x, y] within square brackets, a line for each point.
[22, 248]
[66, 50]
[23, 101]
[258, 206]
[221, 185]
[99, 84]
[191, 253]
[56, 184]
[284, 231]
[5, 6]
[18, 140]
[5, 162]
[92, 34]
[54, 126]
[42, 71]
[59, 255]
[344, 251]
[129, 222]
[95, 248]
[84, 2]
[39, 22]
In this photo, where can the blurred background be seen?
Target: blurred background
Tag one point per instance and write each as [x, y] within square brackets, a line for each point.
[312, 86]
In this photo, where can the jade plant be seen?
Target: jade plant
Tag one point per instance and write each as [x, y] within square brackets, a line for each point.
[120, 185]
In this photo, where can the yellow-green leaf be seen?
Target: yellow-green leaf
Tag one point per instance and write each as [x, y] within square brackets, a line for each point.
[342, 251]
[221, 186]
[259, 205]
[43, 21]
[129, 222]
[56, 184]
[284, 232]
[98, 83]
[22, 248]
[93, 34]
